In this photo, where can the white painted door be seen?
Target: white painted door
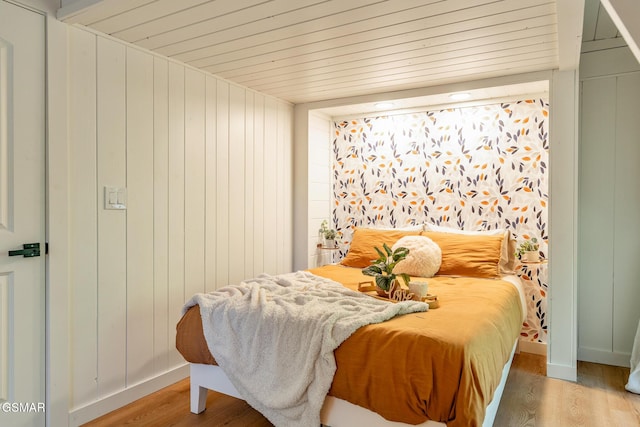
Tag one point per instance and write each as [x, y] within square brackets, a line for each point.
[22, 205]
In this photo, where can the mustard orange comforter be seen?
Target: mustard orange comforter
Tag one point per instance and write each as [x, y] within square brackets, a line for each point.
[442, 365]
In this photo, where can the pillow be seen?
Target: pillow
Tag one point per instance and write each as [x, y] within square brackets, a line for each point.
[417, 227]
[424, 256]
[362, 252]
[508, 249]
[474, 255]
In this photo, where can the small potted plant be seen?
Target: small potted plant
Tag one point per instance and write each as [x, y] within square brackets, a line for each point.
[382, 269]
[328, 234]
[528, 251]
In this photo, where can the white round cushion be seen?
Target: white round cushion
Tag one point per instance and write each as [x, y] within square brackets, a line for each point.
[424, 258]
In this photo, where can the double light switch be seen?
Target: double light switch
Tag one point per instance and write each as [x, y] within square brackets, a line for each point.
[115, 198]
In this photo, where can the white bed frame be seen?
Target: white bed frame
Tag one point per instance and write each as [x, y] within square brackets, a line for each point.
[335, 412]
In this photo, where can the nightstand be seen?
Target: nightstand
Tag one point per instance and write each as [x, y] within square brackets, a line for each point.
[325, 255]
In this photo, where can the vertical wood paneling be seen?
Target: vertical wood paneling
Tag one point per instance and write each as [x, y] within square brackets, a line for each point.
[319, 175]
[207, 167]
[596, 202]
[248, 186]
[287, 217]
[139, 215]
[222, 177]
[211, 184]
[236, 183]
[176, 201]
[112, 227]
[280, 189]
[194, 185]
[626, 289]
[83, 217]
[270, 186]
[608, 204]
[258, 184]
[162, 345]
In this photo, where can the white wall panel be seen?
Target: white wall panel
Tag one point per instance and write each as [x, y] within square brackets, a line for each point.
[83, 215]
[259, 189]
[248, 186]
[286, 136]
[139, 247]
[211, 180]
[112, 224]
[270, 186]
[162, 344]
[596, 202]
[609, 201]
[194, 184]
[176, 201]
[236, 183]
[626, 290]
[279, 192]
[319, 192]
[222, 179]
[207, 166]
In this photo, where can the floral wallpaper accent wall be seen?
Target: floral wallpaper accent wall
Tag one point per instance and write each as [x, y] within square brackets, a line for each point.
[472, 168]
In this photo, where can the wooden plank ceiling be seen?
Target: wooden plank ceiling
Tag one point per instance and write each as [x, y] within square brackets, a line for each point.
[311, 50]
[597, 23]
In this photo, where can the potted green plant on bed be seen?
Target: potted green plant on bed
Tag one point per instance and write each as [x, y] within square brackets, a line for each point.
[382, 269]
[528, 251]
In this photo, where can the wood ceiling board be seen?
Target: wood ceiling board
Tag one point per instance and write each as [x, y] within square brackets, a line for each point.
[605, 28]
[418, 78]
[328, 93]
[421, 43]
[149, 12]
[290, 48]
[342, 41]
[426, 71]
[626, 16]
[342, 21]
[217, 15]
[393, 59]
[591, 9]
[247, 23]
[91, 11]
[448, 59]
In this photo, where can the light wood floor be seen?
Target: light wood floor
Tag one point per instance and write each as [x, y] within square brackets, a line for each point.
[530, 399]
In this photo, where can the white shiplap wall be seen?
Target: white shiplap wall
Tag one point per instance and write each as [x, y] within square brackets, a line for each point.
[609, 198]
[319, 184]
[208, 169]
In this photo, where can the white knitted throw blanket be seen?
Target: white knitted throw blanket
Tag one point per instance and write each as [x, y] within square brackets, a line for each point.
[274, 337]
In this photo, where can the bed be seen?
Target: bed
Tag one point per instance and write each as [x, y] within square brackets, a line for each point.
[446, 366]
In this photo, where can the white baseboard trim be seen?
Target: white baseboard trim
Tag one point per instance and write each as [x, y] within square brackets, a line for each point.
[604, 357]
[562, 372]
[531, 347]
[119, 399]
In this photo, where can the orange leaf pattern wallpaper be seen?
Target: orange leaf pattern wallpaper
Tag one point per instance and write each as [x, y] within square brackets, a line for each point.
[471, 168]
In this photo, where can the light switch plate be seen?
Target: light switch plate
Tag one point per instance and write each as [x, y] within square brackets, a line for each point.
[115, 198]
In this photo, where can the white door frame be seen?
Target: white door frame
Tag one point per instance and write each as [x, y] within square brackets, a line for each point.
[58, 392]
[57, 225]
